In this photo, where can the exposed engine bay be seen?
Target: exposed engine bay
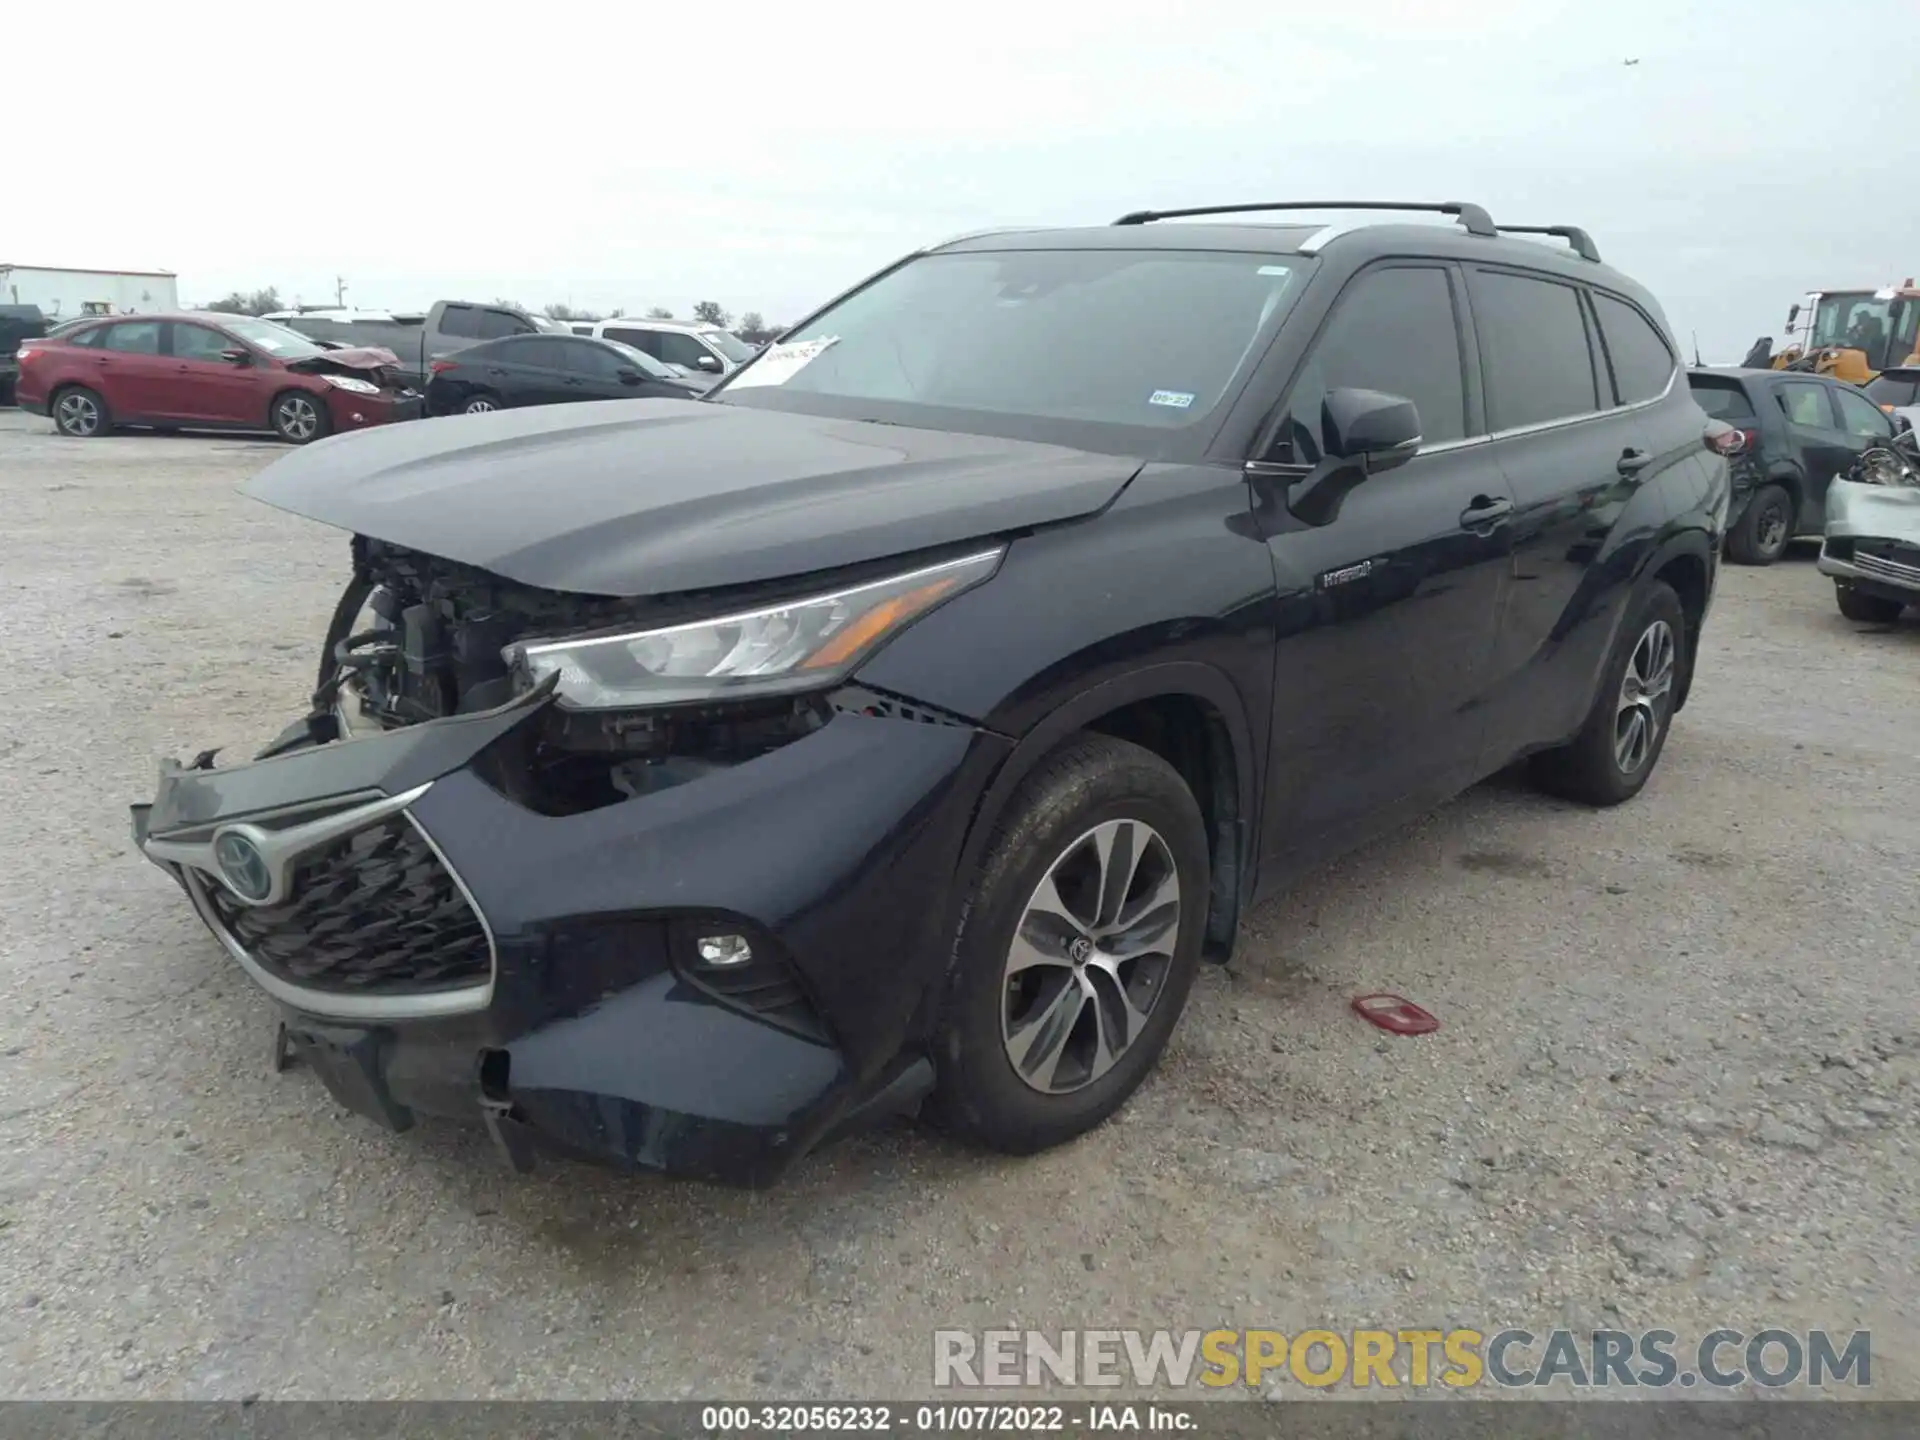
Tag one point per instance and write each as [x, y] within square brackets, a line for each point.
[419, 638]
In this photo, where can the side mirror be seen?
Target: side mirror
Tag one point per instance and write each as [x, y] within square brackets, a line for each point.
[709, 362]
[1366, 432]
[236, 356]
[627, 375]
[1793, 314]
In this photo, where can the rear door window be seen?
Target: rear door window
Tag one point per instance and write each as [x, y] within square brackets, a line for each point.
[1534, 350]
[1722, 397]
[1393, 330]
[460, 321]
[534, 354]
[1642, 364]
[1805, 403]
[133, 337]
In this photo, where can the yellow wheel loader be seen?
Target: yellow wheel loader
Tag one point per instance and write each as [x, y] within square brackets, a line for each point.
[1851, 335]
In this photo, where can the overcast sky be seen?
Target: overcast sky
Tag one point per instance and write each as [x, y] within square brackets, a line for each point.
[766, 155]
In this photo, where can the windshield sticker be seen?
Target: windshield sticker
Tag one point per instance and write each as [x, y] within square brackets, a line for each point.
[1178, 399]
[781, 363]
[1273, 270]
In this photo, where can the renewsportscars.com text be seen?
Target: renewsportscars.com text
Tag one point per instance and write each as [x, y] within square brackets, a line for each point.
[1415, 1358]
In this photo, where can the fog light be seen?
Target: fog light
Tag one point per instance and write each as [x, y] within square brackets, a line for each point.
[723, 951]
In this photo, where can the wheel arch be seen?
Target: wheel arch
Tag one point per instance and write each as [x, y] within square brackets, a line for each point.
[1193, 717]
[1684, 562]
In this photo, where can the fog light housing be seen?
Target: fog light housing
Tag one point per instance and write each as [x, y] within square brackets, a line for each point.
[724, 951]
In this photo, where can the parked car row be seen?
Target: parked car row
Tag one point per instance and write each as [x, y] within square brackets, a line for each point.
[552, 370]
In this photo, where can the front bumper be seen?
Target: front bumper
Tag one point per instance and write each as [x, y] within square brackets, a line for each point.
[1873, 539]
[353, 411]
[436, 947]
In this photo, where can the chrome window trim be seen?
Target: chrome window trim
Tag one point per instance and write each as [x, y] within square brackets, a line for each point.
[1541, 426]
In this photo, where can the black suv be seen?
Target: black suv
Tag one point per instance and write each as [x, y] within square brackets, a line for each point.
[1797, 432]
[909, 720]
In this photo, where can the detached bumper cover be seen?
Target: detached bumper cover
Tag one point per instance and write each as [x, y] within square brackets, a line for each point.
[437, 947]
[1873, 538]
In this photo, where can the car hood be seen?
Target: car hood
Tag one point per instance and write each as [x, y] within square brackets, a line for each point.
[650, 497]
[346, 360]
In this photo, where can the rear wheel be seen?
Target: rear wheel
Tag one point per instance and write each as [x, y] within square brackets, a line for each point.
[298, 417]
[480, 404]
[1867, 609]
[1615, 752]
[1763, 532]
[81, 413]
[1079, 942]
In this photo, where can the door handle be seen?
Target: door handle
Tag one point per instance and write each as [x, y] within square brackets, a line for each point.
[1485, 511]
[1632, 462]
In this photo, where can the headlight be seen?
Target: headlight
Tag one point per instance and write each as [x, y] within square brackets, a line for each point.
[353, 383]
[1886, 467]
[802, 645]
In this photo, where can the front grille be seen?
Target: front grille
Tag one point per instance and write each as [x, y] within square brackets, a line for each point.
[373, 913]
[1888, 561]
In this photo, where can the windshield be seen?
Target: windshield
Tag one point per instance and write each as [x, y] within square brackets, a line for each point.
[643, 362]
[276, 340]
[1882, 327]
[729, 345]
[1132, 342]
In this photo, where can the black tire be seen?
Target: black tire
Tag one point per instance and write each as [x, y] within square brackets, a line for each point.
[1765, 529]
[1092, 781]
[299, 417]
[1867, 609]
[482, 402]
[1593, 768]
[79, 412]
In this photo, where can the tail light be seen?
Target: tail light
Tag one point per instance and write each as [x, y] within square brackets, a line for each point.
[1723, 439]
[440, 367]
[22, 353]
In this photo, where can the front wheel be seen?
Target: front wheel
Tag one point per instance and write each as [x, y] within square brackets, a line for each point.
[1615, 752]
[1077, 947]
[1867, 609]
[298, 417]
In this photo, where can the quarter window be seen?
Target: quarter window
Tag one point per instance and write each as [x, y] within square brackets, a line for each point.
[1533, 350]
[1642, 363]
[1394, 331]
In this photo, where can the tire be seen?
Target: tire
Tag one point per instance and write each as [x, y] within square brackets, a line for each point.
[1867, 609]
[485, 403]
[1765, 529]
[80, 413]
[1088, 794]
[299, 417]
[1610, 760]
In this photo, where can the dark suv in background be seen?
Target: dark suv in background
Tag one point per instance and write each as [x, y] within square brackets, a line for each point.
[1797, 432]
[910, 718]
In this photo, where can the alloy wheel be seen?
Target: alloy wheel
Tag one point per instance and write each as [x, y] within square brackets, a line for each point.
[78, 414]
[480, 405]
[1648, 680]
[1771, 530]
[298, 418]
[1090, 956]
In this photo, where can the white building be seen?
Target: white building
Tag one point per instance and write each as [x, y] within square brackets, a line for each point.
[63, 294]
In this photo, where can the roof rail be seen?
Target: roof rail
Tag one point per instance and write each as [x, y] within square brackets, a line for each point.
[1473, 217]
[1581, 242]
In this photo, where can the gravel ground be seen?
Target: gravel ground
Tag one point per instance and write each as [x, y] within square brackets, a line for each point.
[1677, 1081]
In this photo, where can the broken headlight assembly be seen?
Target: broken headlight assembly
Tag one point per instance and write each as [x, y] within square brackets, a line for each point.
[783, 649]
[353, 383]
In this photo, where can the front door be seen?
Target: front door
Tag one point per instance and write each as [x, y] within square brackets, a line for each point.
[1386, 613]
[206, 385]
[1823, 449]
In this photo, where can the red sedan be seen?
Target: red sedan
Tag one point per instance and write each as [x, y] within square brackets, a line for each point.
[211, 372]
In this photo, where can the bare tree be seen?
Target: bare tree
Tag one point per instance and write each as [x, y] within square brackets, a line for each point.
[659, 312]
[567, 312]
[709, 312]
[753, 328]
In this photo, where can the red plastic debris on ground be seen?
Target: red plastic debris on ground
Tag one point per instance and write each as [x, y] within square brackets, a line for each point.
[1394, 1013]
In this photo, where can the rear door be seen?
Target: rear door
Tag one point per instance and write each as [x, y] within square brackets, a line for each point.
[136, 379]
[1818, 442]
[1864, 424]
[526, 371]
[1573, 458]
[207, 386]
[1381, 659]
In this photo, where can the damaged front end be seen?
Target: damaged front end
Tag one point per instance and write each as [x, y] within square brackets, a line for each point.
[612, 894]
